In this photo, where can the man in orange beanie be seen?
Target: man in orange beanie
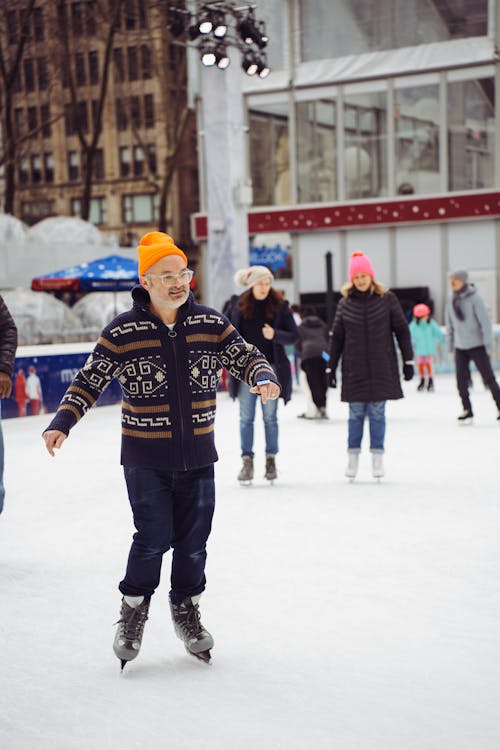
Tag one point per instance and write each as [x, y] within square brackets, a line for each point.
[168, 353]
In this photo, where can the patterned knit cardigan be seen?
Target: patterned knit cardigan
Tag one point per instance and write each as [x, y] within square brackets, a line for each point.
[168, 379]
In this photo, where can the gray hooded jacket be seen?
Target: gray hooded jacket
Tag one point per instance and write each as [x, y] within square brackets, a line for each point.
[475, 329]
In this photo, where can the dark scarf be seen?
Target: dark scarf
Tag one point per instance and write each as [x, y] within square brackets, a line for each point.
[456, 302]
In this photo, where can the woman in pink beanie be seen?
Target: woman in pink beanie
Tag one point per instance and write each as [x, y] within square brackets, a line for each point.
[366, 321]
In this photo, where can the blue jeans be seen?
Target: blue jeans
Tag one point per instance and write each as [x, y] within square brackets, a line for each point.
[170, 509]
[2, 488]
[248, 403]
[375, 411]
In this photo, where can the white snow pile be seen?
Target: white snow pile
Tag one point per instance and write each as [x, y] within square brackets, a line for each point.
[12, 230]
[41, 318]
[68, 230]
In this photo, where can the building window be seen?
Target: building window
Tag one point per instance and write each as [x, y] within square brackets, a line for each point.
[124, 154]
[36, 169]
[316, 151]
[29, 76]
[97, 163]
[151, 152]
[76, 19]
[12, 33]
[32, 118]
[146, 62]
[42, 73]
[471, 134]
[133, 73]
[416, 115]
[119, 71]
[121, 115]
[365, 145]
[45, 120]
[270, 155]
[149, 111]
[83, 117]
[48, 167]
[80, 76]
[19, 120]
[97, 213]
[138, 161]
[24, 171]
[73, 165]
[130, 15]
[90, 17]
[38, 28]
[36, 211]
[135, 111]
[69, 124]
[94, 67]
[139, 209]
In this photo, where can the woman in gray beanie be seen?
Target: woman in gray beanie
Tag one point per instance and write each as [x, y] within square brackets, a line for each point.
[264, 319]
[470, 334]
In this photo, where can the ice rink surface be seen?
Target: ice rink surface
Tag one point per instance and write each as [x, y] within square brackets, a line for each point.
[360, 616]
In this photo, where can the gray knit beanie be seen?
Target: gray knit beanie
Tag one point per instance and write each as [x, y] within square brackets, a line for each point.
[461, 274]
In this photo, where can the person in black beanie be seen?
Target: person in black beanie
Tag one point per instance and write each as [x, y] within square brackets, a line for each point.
[470, 335]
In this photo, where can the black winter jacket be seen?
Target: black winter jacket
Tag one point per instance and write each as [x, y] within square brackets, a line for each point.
[8, 339]
[363, 334]
[285, 333]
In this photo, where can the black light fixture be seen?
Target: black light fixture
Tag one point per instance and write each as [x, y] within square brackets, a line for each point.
[220, 24]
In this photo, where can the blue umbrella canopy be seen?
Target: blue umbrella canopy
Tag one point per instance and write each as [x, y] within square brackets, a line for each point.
[114, 273]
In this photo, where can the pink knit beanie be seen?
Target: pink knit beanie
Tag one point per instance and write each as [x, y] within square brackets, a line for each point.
[360, 263]
[421, 310]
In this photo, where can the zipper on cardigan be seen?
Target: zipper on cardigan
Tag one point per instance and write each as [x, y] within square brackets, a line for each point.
[172, 335]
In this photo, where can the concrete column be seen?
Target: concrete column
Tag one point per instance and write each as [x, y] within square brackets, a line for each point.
[228, 191]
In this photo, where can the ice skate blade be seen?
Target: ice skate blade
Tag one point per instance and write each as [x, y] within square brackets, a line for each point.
[203, 656]
[466, 422]
[245, 482]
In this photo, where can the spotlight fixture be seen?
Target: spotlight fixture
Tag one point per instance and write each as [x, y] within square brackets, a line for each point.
[205, 24]
[249, 64]
[217, 25]
[208, 56]
[221, 57]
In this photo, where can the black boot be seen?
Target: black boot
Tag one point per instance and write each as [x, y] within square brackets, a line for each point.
[421, 385]
[430, 384]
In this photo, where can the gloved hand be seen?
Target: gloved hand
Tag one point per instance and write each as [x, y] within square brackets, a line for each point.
[408, 370]
[330, 378]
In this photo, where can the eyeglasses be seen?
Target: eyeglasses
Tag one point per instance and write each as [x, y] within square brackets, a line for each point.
[170, 279]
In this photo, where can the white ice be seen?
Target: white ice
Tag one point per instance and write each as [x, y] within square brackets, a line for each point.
[361, 616]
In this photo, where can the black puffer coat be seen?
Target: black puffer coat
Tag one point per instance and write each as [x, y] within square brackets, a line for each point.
[285, 332]
[363, 336]
[8, 339]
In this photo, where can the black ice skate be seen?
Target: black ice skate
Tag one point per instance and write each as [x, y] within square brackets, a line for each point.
[271, 473]
[128, 636]
[430, 385]
[421, 385]
[465, 417]
[246, 473]
[187, 622]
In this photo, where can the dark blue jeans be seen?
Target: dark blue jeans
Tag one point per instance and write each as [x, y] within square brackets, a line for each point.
[170, 509]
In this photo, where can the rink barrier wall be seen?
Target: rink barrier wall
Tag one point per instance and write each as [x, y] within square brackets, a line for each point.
[57, 364]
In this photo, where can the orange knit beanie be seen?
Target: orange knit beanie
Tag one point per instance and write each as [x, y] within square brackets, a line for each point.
[156, 245]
